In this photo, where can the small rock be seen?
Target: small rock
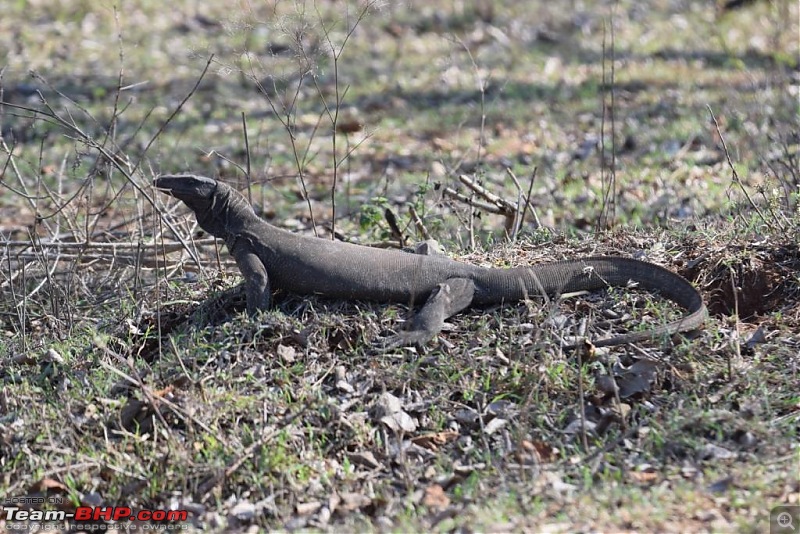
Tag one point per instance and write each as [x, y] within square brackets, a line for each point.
[92, 499]
[715, 452]
[308, 508]
[501, 407]
[575, 427]
[745, 439]
[429, 247]
[243, 511]
[721, 485]
[386, 404]
[53, 356]
[438, 170]
[286, 353]
[466, 417]
[400, 421]
[494, 425]
[345, 387]
[324, 516]
[384, 523]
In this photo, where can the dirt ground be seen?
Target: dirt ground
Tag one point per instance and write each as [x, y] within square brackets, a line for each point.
[131, 378]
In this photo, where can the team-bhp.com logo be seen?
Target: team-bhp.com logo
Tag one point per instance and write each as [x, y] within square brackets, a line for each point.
[87, 513]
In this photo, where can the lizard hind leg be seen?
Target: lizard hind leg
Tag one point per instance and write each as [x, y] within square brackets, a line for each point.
[449, 298]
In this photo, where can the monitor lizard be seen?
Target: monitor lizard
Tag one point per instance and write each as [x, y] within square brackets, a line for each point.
[273, 258]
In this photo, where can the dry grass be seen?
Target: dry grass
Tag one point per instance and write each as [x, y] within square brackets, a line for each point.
[130, 379]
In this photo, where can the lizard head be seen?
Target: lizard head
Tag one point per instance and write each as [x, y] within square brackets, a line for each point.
[205, 196]
[195, 191]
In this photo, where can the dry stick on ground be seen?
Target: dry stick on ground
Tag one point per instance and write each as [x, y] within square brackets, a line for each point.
[134, 382]
[736, 337]
[391, 220]
[515, 226]
[268, 435]
[136, 259]
[492, 203]
[520, 213]
[102, 245]
[49, 115]
[333, 116]
[173, 114]
[20, 310]
[287, 117]
[247, 174]
[418, 224]
[734, 174]
[154, 400]
[608, 211]
[581, 401]
[529, 204]
[482, 91]
[622, 416]
[470, 201]
[506, 207]
[139, 384]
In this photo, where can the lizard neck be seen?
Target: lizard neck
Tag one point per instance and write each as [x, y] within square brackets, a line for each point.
[229, 215]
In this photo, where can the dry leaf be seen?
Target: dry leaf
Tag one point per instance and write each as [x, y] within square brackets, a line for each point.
[135, 416]
[164, 392]
[286, 353]
[543, 451]
[757, 337]
[48, 484]
[386, 404]
[637, 378]
[53, 356]
[353, 501]
[349, 126]
[435, 440]
[643, 477]
[366, 459]
[308, 508]
[435, 497]
[23, 359]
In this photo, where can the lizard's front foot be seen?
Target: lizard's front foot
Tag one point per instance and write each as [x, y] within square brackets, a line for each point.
[408, 338]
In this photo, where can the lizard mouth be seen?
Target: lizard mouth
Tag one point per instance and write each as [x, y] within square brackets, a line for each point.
[165, 182]
[184, 186]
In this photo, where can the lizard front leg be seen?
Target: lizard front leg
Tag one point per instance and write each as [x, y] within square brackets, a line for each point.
[449, 298]
[256, 280]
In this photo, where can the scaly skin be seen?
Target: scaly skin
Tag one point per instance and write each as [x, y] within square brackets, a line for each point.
[269, 257]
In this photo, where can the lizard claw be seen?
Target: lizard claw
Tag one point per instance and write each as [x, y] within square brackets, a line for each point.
[409, 338]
